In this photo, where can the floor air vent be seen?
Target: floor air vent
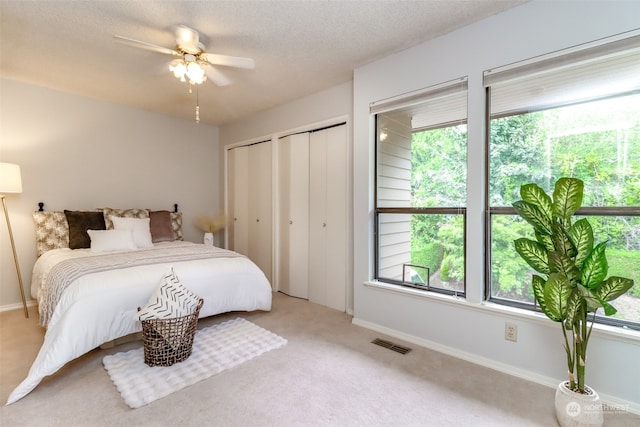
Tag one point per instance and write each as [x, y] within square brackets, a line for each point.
[391, 346]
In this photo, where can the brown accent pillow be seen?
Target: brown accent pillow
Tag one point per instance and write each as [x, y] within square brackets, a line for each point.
[79, 222]
[160, 225]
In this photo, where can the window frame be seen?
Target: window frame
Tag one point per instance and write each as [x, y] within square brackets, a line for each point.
[491, 211]
[420, 211]
[397, 103]
[584, 211]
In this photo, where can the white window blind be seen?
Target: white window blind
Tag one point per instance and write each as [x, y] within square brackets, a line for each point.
[436, 105]
[588, 72]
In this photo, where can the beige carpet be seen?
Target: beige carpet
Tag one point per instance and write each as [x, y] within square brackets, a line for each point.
[329, 374]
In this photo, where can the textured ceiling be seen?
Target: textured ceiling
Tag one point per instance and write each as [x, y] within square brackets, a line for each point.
[300, 47]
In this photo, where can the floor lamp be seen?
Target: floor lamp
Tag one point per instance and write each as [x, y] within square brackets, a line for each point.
[11, 182]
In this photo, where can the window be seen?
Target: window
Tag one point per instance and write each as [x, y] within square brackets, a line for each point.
[421, 173]
[574, 113]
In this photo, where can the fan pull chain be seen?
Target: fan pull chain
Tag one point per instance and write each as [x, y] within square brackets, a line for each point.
[197, 106]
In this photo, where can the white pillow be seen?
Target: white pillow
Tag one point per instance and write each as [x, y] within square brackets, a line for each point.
[139, 227]
[111, 240]
[170, 300]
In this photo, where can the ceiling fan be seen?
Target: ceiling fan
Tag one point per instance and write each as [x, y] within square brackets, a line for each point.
[193, 63]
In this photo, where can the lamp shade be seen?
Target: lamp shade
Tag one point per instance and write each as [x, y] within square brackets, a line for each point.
[10, 179]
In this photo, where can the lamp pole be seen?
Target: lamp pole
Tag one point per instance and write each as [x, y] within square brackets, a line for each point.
[15, 256]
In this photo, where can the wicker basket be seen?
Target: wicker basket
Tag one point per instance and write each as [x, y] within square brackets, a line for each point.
[169, 341]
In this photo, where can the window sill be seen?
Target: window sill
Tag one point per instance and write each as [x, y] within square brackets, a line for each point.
[605, 331]
[420, 293]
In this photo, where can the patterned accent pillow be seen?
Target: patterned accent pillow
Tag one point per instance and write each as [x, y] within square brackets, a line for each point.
[123, 213]
[170, 300]
[52, 231]
[176, 225]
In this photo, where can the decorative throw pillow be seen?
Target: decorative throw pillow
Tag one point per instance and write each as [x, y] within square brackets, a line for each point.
[52, 231]
[170, 300]
[111, 240]
[138, 226]
[160, 224]
[79, 222]
[123, 213]
[176, 225]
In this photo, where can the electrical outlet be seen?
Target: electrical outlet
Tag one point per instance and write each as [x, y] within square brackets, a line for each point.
[511, 332]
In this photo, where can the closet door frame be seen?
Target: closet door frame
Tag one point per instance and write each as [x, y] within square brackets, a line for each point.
[274, 136]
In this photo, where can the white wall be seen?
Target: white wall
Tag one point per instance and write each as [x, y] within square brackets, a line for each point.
[324, 105]
[78, 153]
[469, 328]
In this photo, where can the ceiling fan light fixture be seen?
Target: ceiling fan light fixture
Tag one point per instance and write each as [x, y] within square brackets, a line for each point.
[191, 58]
[178, 68]
[192, 70]
[195, 73]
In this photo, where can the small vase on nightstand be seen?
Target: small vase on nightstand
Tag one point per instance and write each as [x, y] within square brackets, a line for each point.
[208, 239]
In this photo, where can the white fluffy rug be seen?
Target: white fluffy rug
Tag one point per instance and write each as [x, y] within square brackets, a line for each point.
[215, 349]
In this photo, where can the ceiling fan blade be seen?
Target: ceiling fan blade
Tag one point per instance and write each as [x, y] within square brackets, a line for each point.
[145, 45]
[188, 39]
[229, 61]
[216, 76]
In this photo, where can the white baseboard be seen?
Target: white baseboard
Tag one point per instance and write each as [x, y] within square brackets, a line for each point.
[17, 306]
[611, 401]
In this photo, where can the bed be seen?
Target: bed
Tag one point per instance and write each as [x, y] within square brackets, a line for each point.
[88, 296]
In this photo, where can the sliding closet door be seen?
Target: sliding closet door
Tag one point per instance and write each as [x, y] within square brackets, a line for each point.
[239, 188]
[260, 206]
[293, 214]
[328, 217]
[249, 196]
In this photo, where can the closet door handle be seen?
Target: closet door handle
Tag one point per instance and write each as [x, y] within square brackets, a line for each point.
[290, 222]
[324, 224]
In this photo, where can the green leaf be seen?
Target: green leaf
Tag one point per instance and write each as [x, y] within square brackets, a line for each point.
[557, 291]
[567, 198]
[573, 307]
[532, 193]
[581, 234]
[609, 310]
[561, 241]
[592, 301]
[533, 215]
[534, 254]
[537, 284]
[595, 267]
[613, 287]
[545, 240]
[561, 263]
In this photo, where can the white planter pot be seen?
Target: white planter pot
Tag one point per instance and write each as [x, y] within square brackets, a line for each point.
[577, 410]
[208, 239]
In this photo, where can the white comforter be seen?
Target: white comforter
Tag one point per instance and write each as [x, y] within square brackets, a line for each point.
[100, 307]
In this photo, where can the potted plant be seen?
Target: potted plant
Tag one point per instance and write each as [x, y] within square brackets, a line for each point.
[210, 225]
[571, 286]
